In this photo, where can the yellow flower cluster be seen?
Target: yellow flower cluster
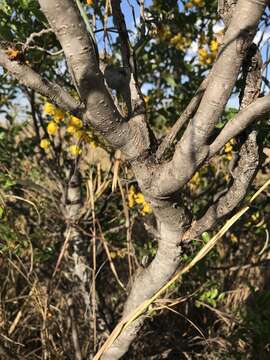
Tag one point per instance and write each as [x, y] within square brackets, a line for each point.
[228, 148]
[207, 57]
[198, 3]
[179, 41]
[49, 108]
[90, 2]
[121, 253]
[74, 126]
[164, 32]
[44, 144]
[75, 150]
[52, 128]
[138, 198]
[214, 46]
[57, 116]
[54, 112]
[195, 181]
[199, 179]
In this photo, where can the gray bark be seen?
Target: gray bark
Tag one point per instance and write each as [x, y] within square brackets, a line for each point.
[246, 166]
[193, 148]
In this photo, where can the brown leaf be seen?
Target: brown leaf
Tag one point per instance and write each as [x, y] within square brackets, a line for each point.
[13, 54]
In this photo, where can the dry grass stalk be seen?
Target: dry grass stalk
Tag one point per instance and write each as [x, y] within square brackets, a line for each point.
[107, 251]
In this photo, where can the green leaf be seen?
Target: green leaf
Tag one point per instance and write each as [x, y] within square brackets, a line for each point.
[205, 236]
[8, 184]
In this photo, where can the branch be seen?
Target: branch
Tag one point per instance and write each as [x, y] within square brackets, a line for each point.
[248, 162]
[185, 116]
[243, 176]
[28, 77]
[192, 149]
[119, 22]
[81, 54]
[240, 122]
[128, 57]
[34, 35]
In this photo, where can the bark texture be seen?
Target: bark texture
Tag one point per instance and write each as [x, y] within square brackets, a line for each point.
[246, 166]
[193, 147]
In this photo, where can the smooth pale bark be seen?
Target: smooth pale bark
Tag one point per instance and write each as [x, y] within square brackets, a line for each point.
[244, 168]
[241, 121]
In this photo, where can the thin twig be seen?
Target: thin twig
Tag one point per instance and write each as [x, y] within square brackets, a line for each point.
[94, 266]
[128, 230]
[63, 250]
[34, 35]
[185, 116]
[106, 248]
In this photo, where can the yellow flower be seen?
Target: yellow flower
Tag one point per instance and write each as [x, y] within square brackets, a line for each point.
[44, 144]
[71, 129]
[195, 181]
[176, 39]
[53, 111]
[76, 122]
[139, 198]
[49, 108]
[90, 2]
[75, 150]
[188, 5]
[228, 147]
[131, 193]
[58, 115]
[146, 99]
[146, 208]
[214, 46]
[202, 53]
[13, 53]
[52, 128]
